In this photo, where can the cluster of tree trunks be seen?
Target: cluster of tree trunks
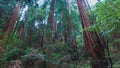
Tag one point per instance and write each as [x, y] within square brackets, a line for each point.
[13, 18]
[94, 43]
[91, 39]
[10, 25]
[11, 21]
[22, 29]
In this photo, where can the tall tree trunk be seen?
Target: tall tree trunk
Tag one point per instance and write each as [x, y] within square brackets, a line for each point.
[22, 29]
[102, 40]
[65, 25]
[30, 34]
[51, 20]
[61, 32]
[73, 41]
[92, 42]
[10, 25]
[13, 18]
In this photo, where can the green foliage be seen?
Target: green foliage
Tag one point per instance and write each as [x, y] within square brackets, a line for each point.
[10, 56]
[107, 16]
[116, 41]
[32, 56]
[2, 21]
[13, 42]
[36, 14]
[108, 22]
[13, 54]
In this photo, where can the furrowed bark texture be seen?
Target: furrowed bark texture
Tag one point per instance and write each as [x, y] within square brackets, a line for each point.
[13, 18]
[92, 42]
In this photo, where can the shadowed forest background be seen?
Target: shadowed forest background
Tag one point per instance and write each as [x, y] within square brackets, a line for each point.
[59, 34]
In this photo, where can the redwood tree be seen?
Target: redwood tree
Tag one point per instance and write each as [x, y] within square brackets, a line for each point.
[13, 19]
[73, 40]
[92, 42]
[51, 21]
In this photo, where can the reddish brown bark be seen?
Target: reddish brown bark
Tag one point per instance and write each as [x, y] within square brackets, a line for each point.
[51, 21]
[1, 37]
[92, 43]
[65, 33]
[21, 32]
[73, 42]
[41, 38]
[13, 18]
[22, 29]
[29, 34]
[66, 27]
[51, 15]
[61, 33]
